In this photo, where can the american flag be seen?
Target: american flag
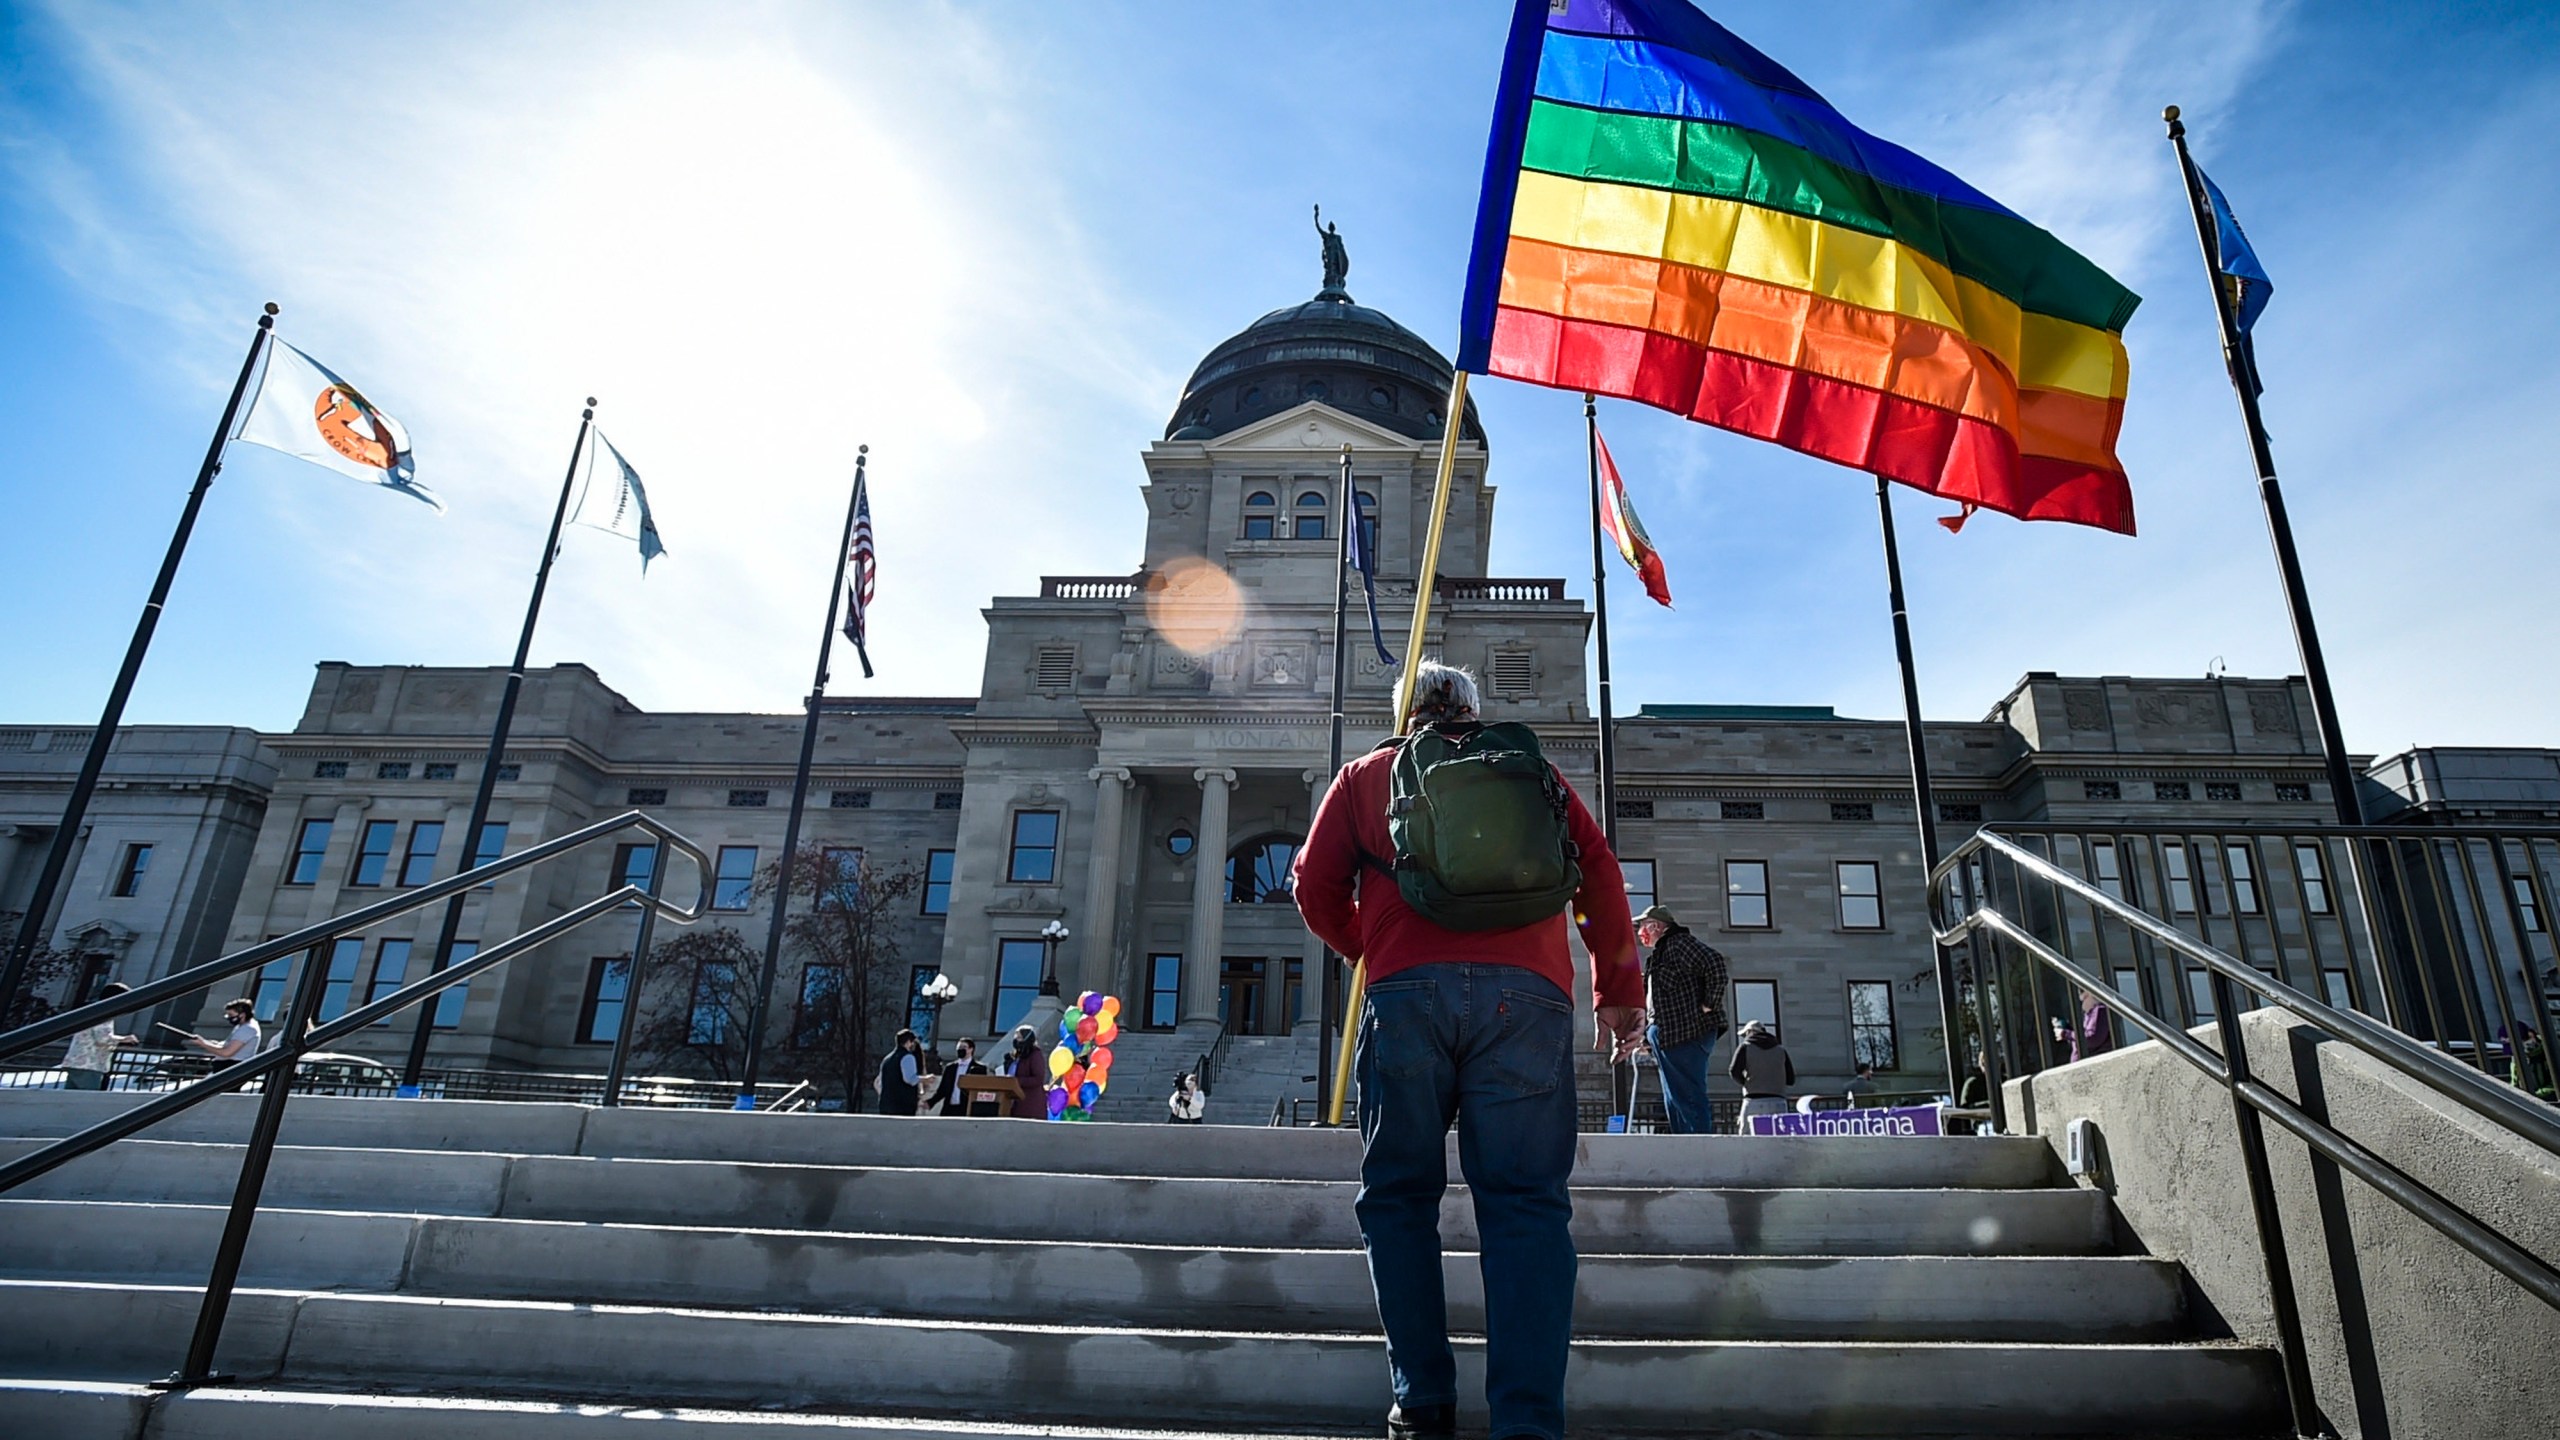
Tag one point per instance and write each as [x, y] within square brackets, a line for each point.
[861, 570]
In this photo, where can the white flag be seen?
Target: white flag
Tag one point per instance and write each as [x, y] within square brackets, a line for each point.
[305, 410]
[618, 506]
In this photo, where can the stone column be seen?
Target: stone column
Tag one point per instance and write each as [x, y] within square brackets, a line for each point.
[1201, 964]
[1094, 969]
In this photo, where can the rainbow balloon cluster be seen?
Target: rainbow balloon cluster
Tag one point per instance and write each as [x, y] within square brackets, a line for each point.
[1080, 1066]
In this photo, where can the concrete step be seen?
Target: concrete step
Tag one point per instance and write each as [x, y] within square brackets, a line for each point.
[2076, 1299]
[319, 1121]
[1087, 1208]
[100, 1410]
[1200, 1378]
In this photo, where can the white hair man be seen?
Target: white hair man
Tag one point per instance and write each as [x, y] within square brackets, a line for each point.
[1472, 1025]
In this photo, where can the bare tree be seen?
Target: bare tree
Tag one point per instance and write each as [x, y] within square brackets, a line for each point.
[840, 994]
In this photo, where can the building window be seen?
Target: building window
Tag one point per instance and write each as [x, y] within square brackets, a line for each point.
[1308, 522]
[734, 885]
[2337, 989]
[1017, 981]
[946, 799]
[390, 968]
[1368, 504]
[373, 854]
[440, 770]
[1258, 873]
[2243, 868]
[310, 844]
[1746, 894]
[1961, 812]
[137, 863]
[418, 864]
[2182, 888]
[600, 1009]
[1261, 515]
[1635, 809]
[1053, 667]
[391, 770]
[2221, 790]
[633, 865]
[713, 983]
[2315, 877]
[841, 886]
[493, 844]
[2171, 790]
[748, 799]
[1756, 1000]
[1640, 884]
[1164, 991]
[266, 996]
[2106, 867]
[451, 999]
[937, 882]
[1871, 1037]
[1861, 887]
[821, 1002]
[2528, 903]
[2101, 790]
[329, 770]
[2296, 794]
[511, 771]
[647, 795]
[1852, 810]
[345, 954]
[1033, 859]
[848, 799]
[1742, 810]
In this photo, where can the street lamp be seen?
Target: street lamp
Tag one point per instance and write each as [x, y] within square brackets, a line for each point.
[936, 992]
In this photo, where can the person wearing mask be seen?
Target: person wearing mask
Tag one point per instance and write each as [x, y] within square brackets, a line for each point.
[901, 1077]
[947, 1097]
[1449, 861]
[1764, 1070]
[1685, 981]
[1188, 1105]
[2095, 1034]
[93, 1050]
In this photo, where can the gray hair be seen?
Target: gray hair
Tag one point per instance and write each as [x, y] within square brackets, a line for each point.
[1444, 692]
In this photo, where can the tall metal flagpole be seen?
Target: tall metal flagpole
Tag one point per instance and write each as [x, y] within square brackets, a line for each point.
[1329, 1000]
[32, 926]
[2297, 596]
[1600, 627]
[488, 787]
[1923, 797]
[1426, 576]
[799, 797]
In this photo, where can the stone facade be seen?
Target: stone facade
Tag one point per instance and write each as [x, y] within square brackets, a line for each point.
[161, 855]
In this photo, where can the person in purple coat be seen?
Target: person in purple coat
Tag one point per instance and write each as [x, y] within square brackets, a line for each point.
[2094, 1035]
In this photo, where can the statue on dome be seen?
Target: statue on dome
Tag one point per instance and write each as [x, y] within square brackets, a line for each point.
[1337, 261]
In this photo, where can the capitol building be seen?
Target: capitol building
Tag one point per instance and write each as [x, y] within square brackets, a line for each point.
[1139, 762]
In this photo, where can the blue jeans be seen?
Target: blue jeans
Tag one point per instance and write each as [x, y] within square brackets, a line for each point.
[1685, 1069]
[1490, 1047]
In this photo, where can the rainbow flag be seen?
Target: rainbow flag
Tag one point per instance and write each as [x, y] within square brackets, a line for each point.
[1669, 216]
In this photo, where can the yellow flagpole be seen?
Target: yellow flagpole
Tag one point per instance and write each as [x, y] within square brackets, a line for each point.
[1424, 581]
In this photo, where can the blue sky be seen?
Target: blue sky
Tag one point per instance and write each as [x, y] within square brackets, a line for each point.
[992, 240]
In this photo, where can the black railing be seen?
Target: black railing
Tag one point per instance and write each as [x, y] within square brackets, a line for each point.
[302, 1033]
[2024, 922]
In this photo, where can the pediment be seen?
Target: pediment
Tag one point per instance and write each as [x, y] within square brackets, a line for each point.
[1312, 427]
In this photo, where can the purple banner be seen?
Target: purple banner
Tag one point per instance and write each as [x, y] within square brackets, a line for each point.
[1900, 1120]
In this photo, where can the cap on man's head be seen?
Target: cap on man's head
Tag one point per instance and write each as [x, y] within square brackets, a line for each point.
[1657, 915]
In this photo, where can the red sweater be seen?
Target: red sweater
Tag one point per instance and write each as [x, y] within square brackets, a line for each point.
[1375, 924]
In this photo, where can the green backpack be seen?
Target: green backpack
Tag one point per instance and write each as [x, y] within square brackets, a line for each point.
[1478, 819]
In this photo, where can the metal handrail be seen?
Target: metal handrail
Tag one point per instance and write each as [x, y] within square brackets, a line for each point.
[300, 1036]
[2500, 1105]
